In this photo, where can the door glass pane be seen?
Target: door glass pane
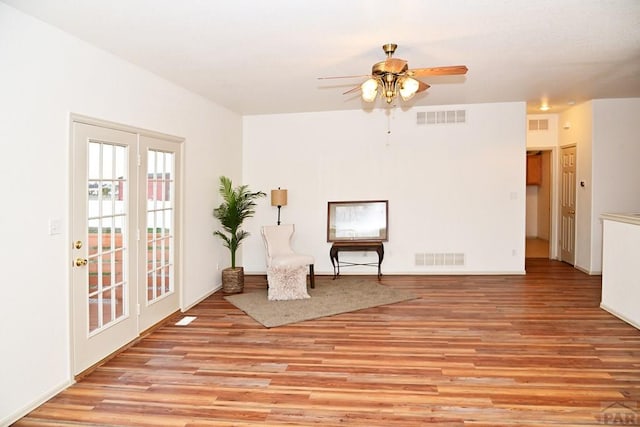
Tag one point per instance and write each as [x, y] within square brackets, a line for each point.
[120, 162]
[92, 247]
[167, 275]
[94, 161]
[106, 226]
[108, 200]
[107, 161]
[95, 281]
[160, 224]
[107, 306]
[106, 270]
[119, 301]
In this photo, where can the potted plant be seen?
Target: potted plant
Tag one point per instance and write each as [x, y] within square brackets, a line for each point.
[238, 204]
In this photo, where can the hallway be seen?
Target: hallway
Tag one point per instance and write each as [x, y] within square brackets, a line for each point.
[536, 248]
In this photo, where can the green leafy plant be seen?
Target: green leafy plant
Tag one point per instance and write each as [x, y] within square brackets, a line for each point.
[238, 204]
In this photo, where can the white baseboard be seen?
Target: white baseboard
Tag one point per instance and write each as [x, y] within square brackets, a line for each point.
[619, 316]
[374, 272]
[199, 300]
[12, 418]
[587, 271]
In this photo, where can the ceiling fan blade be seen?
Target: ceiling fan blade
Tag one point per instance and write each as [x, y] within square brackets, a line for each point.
[422, 86]
[395, 65]
[352, 90]
[390, 65]
[344, 77]
[438, 71]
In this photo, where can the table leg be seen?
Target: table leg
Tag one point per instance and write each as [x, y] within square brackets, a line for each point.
[380, 252]
[312, 279]
[333, 254]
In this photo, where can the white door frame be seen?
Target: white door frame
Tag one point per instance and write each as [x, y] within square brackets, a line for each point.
[178, 142]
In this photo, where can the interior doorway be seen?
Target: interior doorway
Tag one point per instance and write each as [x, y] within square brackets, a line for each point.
[539, 220]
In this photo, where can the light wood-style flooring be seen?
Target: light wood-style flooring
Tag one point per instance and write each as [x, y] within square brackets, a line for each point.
[536, 248]
[532, 350]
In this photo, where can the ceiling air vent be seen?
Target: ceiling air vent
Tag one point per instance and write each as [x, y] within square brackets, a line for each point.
[541, 124]
[441, 117]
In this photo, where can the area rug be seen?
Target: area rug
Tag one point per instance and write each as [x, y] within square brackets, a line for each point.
[329, 297]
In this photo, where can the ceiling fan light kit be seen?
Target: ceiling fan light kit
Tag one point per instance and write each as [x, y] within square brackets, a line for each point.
[408, 88]
[390, 86]
[369, 90]
[393, 76]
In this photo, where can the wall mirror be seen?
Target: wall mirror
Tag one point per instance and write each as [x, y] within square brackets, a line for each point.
[366, 221]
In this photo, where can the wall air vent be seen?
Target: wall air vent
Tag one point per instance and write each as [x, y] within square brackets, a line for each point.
[441, 117]
[429, 259]
[541, 124]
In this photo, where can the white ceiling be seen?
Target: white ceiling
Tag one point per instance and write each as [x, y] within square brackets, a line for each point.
[261, 57]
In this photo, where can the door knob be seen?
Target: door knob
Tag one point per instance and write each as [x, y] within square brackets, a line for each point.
[572, 212]
[79, 262]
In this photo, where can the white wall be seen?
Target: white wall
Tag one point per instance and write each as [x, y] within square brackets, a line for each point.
[605, 132]
[621, 251]
[46, 75]
[616, 171]
[451, 187]
[580, 133]
[540, 139]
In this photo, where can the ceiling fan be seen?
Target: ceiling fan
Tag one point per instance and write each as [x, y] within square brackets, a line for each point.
[393, 76]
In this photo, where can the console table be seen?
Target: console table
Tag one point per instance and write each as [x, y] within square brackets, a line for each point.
[355, 247]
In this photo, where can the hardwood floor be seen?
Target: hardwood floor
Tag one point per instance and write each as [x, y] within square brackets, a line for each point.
[472, 350]
[536, 248]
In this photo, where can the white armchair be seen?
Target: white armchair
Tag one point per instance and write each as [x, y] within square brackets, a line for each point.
[277, 241]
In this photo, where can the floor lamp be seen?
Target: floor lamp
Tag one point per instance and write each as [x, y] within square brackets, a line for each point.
[279, 199]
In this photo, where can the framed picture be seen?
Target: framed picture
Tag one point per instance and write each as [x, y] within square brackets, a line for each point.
[365, 221]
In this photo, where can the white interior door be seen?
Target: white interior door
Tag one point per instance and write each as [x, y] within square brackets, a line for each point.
[568, 205]
[103, 298]
[125, 216]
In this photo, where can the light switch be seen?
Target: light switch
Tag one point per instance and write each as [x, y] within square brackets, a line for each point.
[55, 226]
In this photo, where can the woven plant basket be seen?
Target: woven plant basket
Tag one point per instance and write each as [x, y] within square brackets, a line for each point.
[233, 280]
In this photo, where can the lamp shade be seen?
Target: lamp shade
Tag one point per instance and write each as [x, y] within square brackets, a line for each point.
[278, 197]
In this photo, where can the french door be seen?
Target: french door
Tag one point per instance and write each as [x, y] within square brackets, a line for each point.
[157, 247]
[124, 234]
